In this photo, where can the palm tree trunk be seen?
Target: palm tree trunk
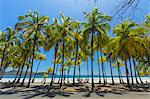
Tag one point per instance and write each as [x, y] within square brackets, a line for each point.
[105, 75]
[110, 64]
[140, 78]
[59, 77]
[25, 76]
[79, 73]
[121, 77]
[87, 70]
[36, 71]
[64, 76]
[99, 73]
[135, 71]
[16, 75]
[32, 60]
[119, 73]
[4, 70]
[74, 73]
[2, 59]
[127, 73]
[131, 70]
[68, 73]
[102, 64]
[56, 49]
[92, 42]
[56, 71]
[20, 74]
[21, 69]
[63, 59]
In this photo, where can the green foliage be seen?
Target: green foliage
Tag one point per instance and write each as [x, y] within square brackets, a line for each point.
[50, 70]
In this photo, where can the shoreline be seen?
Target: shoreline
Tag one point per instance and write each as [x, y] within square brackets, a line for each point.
[96, 80]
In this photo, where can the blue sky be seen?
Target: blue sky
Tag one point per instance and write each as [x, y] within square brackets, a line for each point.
[10, 9]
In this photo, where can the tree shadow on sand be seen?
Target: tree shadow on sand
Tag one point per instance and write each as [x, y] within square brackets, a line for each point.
[66, 90]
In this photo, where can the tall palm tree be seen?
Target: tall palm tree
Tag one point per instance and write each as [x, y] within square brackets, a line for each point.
[27, 68]
[96, 23]
[64, 31]
[32, 27]
[77, 37]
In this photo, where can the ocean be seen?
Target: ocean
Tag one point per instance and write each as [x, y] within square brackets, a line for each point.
[70, 76]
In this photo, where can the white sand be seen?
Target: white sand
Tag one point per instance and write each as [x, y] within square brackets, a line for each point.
[23, 94]
[96, 80]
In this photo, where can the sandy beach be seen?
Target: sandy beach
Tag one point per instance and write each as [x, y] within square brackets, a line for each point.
[38, 91]
[44, 91]
[131, 95]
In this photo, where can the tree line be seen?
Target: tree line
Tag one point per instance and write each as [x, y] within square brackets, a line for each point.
[76, 43]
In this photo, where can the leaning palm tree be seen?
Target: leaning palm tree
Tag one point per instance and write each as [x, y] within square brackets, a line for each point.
[96, 23]
[40, 57]
[28, 64]
[55, 56]
[8, 39]
[32, 27]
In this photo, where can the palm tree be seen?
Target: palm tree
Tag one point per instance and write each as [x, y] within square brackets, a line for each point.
[27, 68]
[22, 55]
[32, 27]
[64, 72]
[103, 60]
[127, 41]
[40, 57]
[96, 23]
[117, 65]
[7, 41]
[49, 70]
[44, 78]
[64, 31]
[55, 56]
[85, 49]
[68, 64]
[110, 64]
[22, 66]
[77, 36]
[5, 38]
[16, 75]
